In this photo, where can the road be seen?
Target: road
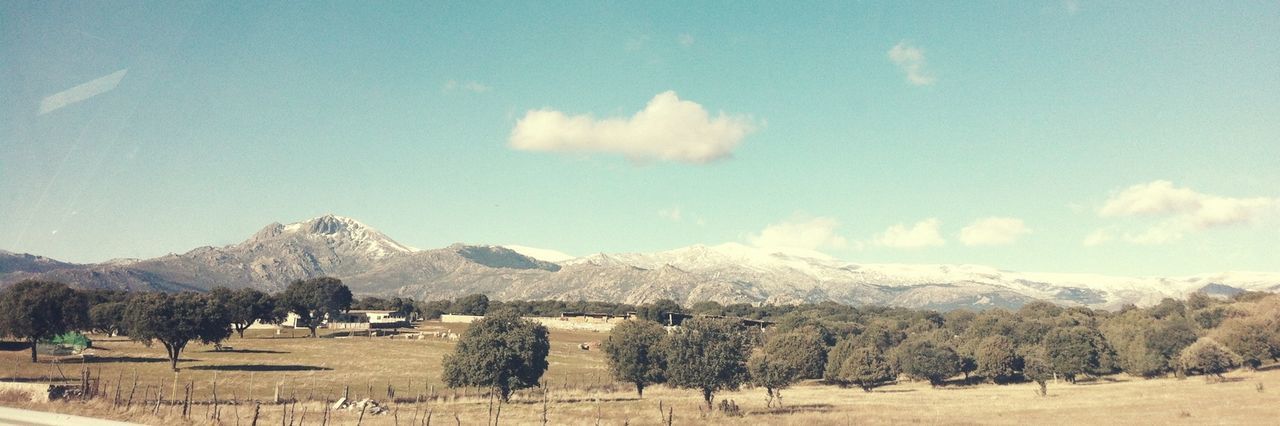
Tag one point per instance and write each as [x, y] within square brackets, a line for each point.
[20, 417]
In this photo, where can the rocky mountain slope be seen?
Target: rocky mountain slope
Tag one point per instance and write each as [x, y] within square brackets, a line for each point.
[373, 263]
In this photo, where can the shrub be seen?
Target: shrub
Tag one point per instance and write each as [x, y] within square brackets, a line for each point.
[1208, 357]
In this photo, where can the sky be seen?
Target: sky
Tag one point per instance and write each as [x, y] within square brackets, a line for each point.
[1126, 138]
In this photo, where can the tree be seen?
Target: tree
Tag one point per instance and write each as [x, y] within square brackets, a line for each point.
[502, 352]
[996, 359]
[472, 304]
[315, 299]
[1208, 357]
[175, 320]
[246, 306]
[708, 355]
[865, 367]
[658, 311]
[771, 374]
[1251, 338]
[634, 353]
[804, 349]
[107, 318]
[923, 359]
[434, 309]
[39, 310]
[785, 359]
[1071, 351]
[1037, 368]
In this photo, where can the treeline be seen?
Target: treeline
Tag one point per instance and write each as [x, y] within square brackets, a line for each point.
[871, 346]
[36, 311]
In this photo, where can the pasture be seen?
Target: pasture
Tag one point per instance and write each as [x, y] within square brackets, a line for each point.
[314, 372]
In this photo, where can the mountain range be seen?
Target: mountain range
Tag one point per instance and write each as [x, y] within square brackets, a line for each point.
[372, 263]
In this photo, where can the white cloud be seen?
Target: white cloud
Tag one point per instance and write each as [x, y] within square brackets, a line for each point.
[1072, 6]
[923, 234]
[81, 92]
[685, 40]
[808, 234]
[668, 129]
[993, 231]
[1097, 238]
[911, 60]
[470, 86]
[673, 214]
[1184, 210]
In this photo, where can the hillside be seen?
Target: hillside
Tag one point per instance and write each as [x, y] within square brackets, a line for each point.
[372, 263]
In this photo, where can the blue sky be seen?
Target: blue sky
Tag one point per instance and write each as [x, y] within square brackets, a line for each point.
[1134, 138]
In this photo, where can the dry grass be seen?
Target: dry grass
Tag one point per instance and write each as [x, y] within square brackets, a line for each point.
[582, 394]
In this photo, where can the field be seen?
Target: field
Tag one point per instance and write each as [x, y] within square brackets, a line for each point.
[580, 391]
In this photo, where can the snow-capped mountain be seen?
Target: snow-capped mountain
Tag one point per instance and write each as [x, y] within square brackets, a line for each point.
[373, 263]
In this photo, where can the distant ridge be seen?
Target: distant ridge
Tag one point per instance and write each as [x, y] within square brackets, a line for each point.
[374, 264]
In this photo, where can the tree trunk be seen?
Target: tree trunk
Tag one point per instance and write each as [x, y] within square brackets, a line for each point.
[33, 350]
[240, 330]
[312, 327]
[706, 397]
[640, 389]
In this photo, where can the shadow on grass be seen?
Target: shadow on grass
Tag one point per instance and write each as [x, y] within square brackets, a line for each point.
[259, 367]
[1094, 381]
[246, 351]
[570, 400]
[795, 409]
[14, 346]
[892, 390]
[128, 359]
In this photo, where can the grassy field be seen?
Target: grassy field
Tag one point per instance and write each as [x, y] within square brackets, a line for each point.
[580, 392]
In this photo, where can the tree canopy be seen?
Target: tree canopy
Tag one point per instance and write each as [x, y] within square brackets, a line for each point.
[175, 320]
[315, 299]
[39, 310]
[707, 354]
[245, 306]
[500, 351]
[634, 353]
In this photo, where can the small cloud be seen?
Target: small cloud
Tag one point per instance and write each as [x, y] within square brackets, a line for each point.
[469, 86]
[807, 234]
[1071, 6]
[685, 40]
[911, 60]
[668, 129]
[673, 214]
[1097, 238]
[81, 92]
[922, 234]
[993, 231]
[637, 43]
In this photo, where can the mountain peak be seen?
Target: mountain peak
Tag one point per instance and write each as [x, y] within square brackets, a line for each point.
[334, 230]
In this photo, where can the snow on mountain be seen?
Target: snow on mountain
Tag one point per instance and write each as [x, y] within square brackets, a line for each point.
[374, 264]
[337, 230]
[540, 253]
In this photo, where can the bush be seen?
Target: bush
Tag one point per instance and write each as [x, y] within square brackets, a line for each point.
[1208, 357]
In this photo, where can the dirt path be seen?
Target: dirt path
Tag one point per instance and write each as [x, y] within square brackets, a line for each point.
[20, 417]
